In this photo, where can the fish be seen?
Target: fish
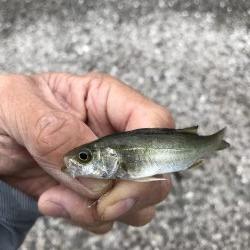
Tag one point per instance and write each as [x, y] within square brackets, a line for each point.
[142, 154]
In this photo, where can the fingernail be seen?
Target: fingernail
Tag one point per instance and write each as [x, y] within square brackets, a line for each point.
[118, 209]
[57, 210]
[95, 185]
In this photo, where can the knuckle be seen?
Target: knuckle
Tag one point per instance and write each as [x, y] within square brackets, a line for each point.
[98, 75]
[94, 78]
[99, 78]
[52, 131]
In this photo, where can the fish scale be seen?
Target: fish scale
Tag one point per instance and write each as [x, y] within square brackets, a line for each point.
[140, 154]
[151, 161]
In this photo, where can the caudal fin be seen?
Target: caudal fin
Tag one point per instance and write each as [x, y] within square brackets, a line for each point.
[222, 144]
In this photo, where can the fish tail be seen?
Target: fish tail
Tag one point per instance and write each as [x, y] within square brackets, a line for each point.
[222, 144]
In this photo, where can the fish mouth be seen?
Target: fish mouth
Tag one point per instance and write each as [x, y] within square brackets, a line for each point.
[66, 161]
[68, 164]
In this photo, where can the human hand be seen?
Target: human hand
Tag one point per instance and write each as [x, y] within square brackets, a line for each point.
[44, 116]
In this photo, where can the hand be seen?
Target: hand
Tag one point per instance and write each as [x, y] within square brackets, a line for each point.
[44, 116]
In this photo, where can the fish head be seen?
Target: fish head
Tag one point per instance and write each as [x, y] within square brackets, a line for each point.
[88, 161]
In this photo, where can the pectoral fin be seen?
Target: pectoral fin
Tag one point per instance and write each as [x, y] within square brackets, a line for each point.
[196, 164]
[151, 178]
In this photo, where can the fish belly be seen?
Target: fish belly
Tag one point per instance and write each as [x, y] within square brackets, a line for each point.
[148, 162]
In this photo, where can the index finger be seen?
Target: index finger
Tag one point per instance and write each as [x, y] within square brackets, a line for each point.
[124, 109]
[118, 107]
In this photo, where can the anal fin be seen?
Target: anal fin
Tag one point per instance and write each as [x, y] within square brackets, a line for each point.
[196, 164]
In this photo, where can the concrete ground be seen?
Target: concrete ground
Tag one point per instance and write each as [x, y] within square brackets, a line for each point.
[191, 56]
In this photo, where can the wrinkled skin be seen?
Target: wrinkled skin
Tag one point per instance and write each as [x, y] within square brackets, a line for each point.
[44, 116]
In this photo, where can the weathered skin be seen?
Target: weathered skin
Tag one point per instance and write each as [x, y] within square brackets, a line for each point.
[142, 153]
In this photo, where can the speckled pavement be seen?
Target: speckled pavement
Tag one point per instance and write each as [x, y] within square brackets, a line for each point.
[191, 56]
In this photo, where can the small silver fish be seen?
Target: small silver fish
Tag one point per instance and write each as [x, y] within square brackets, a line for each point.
[140, 154]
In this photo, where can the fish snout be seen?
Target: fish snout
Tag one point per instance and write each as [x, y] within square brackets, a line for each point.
[68, 164]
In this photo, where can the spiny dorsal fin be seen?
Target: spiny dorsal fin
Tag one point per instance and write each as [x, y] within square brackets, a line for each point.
[146, 131]
[190, 130]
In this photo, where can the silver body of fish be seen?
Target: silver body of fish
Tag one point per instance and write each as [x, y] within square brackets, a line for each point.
[142, 153]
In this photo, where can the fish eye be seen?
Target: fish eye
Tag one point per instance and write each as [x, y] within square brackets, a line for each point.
[85, 155]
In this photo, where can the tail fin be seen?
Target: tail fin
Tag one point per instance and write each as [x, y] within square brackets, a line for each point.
[222, 144]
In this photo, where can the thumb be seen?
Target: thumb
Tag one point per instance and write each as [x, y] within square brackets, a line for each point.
[53, 135]
[47, 131]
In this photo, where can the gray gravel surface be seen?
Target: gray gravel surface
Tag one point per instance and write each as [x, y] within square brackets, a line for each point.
[191, 56]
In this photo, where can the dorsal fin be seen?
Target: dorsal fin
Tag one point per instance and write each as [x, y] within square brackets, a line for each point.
[190, 130]
[150, 131]
[146, 131]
